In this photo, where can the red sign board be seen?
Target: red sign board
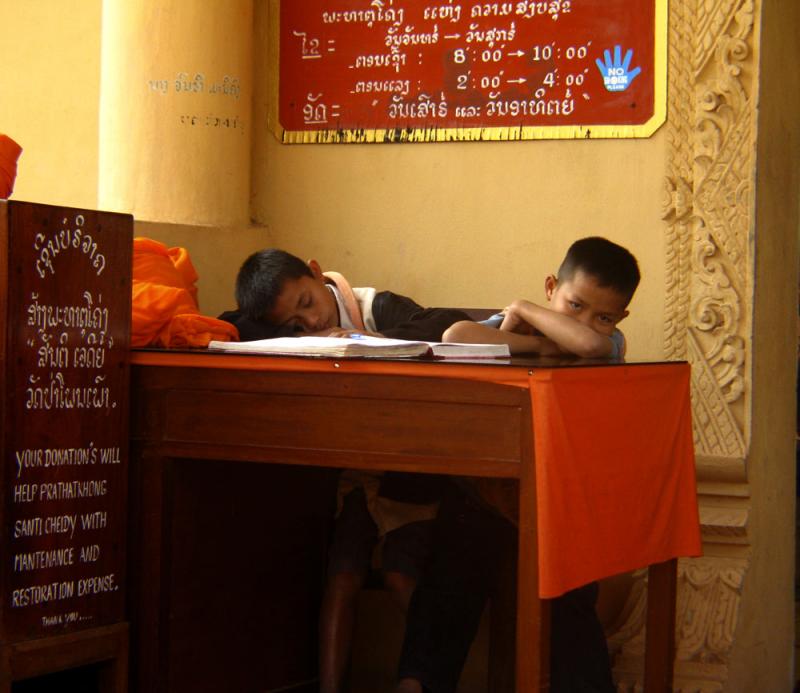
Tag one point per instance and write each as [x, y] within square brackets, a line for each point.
[432, 70]
[65, 321]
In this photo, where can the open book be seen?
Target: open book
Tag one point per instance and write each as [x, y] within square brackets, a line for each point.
[361, 346]
[460, 350]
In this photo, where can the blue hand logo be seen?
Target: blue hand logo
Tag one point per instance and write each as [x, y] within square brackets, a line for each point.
[615, 74]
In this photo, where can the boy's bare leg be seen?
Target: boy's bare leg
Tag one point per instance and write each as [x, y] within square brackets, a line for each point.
[401, 587]
[336, 625]
[409, 686]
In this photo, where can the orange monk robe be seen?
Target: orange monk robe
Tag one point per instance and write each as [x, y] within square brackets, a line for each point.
[165, 311]
[9, 153]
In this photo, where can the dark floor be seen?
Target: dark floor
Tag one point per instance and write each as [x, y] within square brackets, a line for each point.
[81, 680]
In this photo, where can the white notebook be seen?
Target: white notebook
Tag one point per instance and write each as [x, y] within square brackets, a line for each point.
[361, 346]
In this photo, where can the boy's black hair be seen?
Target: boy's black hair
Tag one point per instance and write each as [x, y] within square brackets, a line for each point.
[261, 278]
[610, 264]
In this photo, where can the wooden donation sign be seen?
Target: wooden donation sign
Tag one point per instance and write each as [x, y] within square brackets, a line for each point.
[65, 313]
[440, 70]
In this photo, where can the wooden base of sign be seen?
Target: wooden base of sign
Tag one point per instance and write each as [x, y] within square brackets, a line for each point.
[106, 646]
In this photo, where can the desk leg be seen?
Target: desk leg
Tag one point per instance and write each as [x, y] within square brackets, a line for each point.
[533, 614]
[659, 659]
[148, 567]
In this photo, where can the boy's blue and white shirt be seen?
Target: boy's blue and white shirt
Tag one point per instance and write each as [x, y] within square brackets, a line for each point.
[617, 338]
[494, 321]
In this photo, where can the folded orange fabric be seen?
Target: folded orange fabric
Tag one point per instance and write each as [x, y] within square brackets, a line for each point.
[9, 153]
[165, 311]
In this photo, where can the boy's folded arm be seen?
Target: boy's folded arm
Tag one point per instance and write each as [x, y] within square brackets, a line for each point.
[400, 317]
[568, 333]
[250, 329]
[475, 333]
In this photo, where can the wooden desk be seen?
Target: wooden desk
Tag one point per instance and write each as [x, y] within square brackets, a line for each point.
[191, 409]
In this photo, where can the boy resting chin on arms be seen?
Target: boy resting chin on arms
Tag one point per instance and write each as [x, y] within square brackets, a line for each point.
[587, 299]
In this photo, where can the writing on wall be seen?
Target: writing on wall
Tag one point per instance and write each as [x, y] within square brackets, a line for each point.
[436, 70]
[184, 88]
[65, 464]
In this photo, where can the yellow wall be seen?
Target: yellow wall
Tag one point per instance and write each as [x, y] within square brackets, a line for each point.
[50, 104]
[474, 224]
[49, 91]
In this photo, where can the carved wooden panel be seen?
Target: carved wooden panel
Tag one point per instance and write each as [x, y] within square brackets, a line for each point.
[708, 209]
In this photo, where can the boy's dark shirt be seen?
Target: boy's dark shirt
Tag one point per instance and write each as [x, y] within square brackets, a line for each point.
[397, 317]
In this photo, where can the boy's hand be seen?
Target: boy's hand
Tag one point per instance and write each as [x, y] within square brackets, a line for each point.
[514, 322]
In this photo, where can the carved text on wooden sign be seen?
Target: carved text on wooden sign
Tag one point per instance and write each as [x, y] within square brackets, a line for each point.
[65, 465]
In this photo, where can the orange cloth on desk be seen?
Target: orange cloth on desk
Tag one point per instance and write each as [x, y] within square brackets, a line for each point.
[615, 472]
[165, 311]
[9, 153]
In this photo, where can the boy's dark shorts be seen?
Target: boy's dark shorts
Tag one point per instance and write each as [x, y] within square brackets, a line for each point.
[405, 550]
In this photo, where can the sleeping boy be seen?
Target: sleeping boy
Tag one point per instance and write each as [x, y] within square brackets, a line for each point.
[279, 294]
